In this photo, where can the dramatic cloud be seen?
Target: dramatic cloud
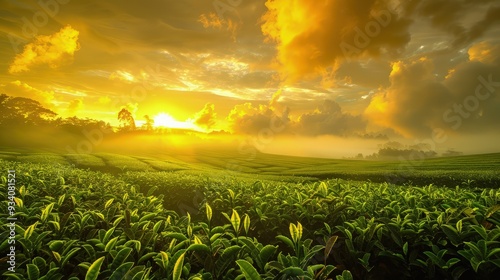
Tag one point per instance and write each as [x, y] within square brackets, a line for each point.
[249, 119]
[274, 118]
[74, 107]
[475, 86]
[330, 120]
[417, 102]
[207, 117]
[345, 30]
[53, 50]
[122, 76]
[340, 30]
[213, 21]
[453, 17]
[384, 67]
[274, 100]
[414, 100]
[21, 89]
[485, 52]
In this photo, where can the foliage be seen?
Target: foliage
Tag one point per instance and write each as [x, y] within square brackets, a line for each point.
[81, 224]
[22, 111]
[126, 119]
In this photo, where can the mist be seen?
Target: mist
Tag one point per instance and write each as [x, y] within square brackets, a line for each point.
[350, 147]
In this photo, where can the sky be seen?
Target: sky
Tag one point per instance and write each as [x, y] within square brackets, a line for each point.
[324, 73]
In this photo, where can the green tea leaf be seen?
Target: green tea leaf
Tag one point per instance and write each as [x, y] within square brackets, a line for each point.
[293, 271]
[68, 255]
[121, 271]
[29, 231]
[146, 257]
[208, 210]
[346, 275]
[46, 211]
[33, 272]
[111, 244]
[248, 270]
[246, 223]
[108, 203]
[176, 235]
[56, 245]
[108, 235]
[459, 226]
[93, 271]
[235, 221]
[285, 240]
[120, 257]
[199, 248]
[267, 252]
[177, 272]
[164, 259]
[293, 232]
[329, 245]
[452, 234]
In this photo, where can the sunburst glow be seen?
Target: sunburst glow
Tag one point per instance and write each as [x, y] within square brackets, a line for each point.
[166, 120]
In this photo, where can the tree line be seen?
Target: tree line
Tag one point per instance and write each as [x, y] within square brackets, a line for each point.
[22, 112]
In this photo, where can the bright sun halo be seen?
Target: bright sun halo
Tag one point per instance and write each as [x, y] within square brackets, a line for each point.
[165, 120]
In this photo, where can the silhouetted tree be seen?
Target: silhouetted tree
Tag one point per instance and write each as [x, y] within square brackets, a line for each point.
[21, 110]
[76, 125]
[149, 123]
[126, 118]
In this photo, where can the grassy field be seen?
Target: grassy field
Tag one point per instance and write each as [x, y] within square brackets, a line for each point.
[476, 170]
[212, 214]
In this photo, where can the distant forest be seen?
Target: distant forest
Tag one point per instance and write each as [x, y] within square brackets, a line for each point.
[22, 112]
[26, 123]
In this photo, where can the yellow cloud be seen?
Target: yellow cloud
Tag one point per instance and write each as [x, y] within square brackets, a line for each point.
[206, 117]
[275, 99]
[247, 118]
[314, 37]
[378, 105]
[122, 76]
[414, 102]
[74, 106]
[483, 52]
[20, 89]
[396, 68]
[328, 119]
[53, 50]
[213, 21]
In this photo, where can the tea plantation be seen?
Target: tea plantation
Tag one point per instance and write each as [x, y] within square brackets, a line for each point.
[107, 216]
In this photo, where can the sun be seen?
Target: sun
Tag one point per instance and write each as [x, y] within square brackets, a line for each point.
[166, 120]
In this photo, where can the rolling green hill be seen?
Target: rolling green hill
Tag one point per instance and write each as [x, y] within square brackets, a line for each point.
[217, 209]
[478, 170]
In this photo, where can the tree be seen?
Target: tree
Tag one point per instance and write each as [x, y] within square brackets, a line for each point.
[21, 110]
[149, 123]
[125, 117]
[76, 125]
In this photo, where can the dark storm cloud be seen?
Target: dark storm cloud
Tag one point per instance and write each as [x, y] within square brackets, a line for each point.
[467, 100]
[329, 120]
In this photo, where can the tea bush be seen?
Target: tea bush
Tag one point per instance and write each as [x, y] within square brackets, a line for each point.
[81, 224]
